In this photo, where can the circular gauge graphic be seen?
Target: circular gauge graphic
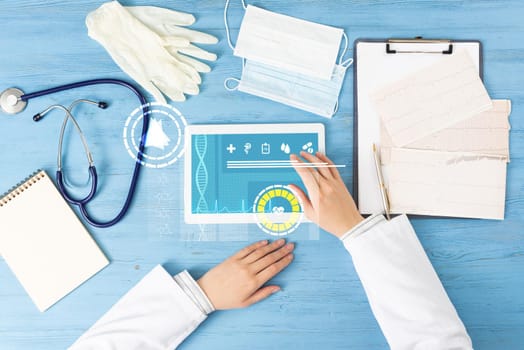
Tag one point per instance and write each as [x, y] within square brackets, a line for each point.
[164, 142]
[278, 211]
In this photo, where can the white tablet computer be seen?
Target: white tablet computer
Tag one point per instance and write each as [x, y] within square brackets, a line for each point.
[227, 166]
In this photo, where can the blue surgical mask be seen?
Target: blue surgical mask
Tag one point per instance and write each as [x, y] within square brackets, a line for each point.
[307, 93]
[283, 70]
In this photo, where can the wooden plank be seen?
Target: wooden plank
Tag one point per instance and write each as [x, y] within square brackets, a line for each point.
[322, 305]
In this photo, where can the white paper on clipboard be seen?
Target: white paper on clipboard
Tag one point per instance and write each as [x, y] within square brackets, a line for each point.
[374, 69]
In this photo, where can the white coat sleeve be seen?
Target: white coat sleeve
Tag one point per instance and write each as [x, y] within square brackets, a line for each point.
[405, 294]
[157, 313]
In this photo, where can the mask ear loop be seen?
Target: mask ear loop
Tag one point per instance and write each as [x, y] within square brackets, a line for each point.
[348, 62]
[335, 110]
[230, 43]
[228, 36]
[228, 86]
[345, 64]
[346, 44]
[231, 88]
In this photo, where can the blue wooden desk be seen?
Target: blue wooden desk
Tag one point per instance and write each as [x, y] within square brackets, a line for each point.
[322, 305]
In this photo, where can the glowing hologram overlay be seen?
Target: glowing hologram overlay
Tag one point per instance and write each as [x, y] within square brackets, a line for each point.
[278, 211]
[164, 119]
[201, 174]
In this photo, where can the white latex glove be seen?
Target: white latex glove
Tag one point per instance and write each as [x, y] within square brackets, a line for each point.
[145, 42]
[166, 23]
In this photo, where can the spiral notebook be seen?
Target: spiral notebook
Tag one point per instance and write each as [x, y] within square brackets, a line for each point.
[44, 243]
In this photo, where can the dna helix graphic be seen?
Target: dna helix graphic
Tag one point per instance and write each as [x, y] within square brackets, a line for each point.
[201, 176]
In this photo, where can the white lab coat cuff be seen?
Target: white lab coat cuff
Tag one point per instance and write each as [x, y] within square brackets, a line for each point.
[404, 291]
[155, 314]
[194, 292]
[362, 227]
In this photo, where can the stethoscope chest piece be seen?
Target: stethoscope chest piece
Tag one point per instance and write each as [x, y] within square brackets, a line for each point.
[11, 102]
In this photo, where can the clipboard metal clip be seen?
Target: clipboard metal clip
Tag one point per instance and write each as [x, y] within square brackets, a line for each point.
[419, 40]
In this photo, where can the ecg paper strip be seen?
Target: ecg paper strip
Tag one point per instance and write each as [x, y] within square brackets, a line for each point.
[447, 184]
[484, 133]
[432, 99]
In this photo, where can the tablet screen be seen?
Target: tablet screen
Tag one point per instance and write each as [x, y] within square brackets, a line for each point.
[230, 170]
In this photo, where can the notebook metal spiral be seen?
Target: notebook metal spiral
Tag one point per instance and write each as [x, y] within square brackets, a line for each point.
[23, 185]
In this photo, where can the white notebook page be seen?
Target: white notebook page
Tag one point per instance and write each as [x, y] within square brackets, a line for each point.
[44, 243]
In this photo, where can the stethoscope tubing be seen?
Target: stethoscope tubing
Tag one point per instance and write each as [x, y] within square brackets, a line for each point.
[82, 203]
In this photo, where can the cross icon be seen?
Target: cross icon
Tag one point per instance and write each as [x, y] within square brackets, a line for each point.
[231, 148]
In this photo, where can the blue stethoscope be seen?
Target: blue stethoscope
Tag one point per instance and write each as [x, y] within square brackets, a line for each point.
[14, 101]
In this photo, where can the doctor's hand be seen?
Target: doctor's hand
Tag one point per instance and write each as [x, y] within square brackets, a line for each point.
[238, 281]
[329, 204]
